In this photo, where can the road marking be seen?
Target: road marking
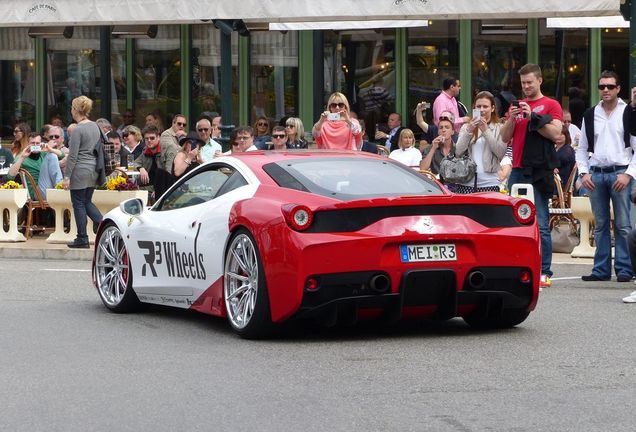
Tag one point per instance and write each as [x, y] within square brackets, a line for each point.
[565, 278]
[67, 270]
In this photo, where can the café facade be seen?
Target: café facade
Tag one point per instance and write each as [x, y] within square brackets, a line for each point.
[283, 58]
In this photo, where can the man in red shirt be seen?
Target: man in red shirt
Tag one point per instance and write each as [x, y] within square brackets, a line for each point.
[516, 128]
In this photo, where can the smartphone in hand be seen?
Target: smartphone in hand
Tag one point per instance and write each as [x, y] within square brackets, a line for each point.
[476, 114]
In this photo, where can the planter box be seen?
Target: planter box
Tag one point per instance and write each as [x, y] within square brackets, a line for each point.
[106, 200]
[12, 200]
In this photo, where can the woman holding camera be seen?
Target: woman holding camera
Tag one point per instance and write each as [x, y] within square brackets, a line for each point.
[336, 129]
[481, 138]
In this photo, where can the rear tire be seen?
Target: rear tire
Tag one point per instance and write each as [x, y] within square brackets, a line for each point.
[113, 274]
[245, 289]
[508, 319]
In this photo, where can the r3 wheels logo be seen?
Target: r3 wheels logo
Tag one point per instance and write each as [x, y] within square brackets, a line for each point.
[179, 264]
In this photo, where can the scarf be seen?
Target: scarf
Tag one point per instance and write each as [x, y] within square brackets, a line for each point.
[152, 152]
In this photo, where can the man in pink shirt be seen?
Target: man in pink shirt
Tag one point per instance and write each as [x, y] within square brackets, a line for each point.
[446, 101]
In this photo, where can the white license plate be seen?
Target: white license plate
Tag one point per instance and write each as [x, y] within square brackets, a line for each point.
[428, 252]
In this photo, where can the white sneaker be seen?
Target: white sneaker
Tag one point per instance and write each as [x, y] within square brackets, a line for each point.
[630, 298]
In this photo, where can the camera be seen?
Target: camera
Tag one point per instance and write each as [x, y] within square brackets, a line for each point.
[515, 103]
[36, 148]
[424, 105]
[333, 116]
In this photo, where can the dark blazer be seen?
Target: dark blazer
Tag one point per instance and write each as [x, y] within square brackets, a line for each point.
[395, 139]
[539, 155]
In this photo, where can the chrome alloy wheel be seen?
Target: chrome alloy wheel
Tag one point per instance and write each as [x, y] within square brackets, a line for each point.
[240, 283]
[111, 266]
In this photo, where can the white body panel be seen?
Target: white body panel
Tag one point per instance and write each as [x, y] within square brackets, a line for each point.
[175, 255]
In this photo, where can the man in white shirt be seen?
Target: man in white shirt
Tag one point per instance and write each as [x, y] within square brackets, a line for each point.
[245, 139]
[608, 175]
[211, 149]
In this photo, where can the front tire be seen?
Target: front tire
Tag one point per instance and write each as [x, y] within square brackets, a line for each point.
[245, 289]
[113, 274]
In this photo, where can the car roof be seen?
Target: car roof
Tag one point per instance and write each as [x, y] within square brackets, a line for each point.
[255, 160]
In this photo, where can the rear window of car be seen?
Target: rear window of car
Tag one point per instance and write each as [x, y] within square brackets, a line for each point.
[350, 179]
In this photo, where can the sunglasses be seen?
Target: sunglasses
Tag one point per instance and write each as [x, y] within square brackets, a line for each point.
[607, 86]
[203, 129]
[125, 134]
[234, 144]
[181, 124]
[279, 136]
[54, 136]
[290, 126]
[337, 105]
[445, 118]
[261, 124]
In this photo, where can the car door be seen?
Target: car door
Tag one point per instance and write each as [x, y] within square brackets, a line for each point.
[180, 241]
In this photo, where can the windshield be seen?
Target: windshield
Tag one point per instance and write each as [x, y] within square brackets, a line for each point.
[350, 179]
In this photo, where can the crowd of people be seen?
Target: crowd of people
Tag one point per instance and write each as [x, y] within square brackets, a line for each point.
[530, 142]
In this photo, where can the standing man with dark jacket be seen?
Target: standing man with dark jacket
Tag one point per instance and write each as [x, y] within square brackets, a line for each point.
[516, 128]
[608, 175]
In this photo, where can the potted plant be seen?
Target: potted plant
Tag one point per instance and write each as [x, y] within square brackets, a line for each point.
[12, 197]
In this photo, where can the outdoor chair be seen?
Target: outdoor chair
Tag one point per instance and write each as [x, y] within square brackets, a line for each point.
[33, 203]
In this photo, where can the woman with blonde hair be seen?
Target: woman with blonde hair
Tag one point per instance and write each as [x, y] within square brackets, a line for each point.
[295, 133]
[80, 175]
[407, 153]
[262, 133]
[481, 138]
[336, 128]
[21, 133]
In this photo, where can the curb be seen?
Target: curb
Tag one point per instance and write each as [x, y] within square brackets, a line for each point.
[28, 251]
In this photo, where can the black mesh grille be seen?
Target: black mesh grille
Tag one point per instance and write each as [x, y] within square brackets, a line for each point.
[491, 216]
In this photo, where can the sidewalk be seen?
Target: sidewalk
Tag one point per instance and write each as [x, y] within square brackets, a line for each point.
[37, 248]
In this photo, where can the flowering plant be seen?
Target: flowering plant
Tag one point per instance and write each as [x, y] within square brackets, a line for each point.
[120, 183]
[10, 185]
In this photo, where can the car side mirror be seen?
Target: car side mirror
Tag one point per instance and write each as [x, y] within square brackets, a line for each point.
[132, 206]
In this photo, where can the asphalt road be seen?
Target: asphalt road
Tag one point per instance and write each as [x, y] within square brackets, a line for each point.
[66, 364]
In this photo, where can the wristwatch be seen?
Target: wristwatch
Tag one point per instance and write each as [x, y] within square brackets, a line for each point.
[582, 174]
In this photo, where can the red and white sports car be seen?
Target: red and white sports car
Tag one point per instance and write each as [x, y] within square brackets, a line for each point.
[264, 237]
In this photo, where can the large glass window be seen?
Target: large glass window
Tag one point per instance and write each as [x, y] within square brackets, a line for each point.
[158, 75]
[274, 75]
[17, 86]
[615, 56]
[499, 50]
[564, 60]
[433, 55]
[72, 70]
[206, 71]
[118, 77]
[361, 64]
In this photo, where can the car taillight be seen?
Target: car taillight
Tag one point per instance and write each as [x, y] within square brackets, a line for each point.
[299, 217]
[524, 211]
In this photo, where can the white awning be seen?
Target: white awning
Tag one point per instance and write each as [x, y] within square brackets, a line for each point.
[588, 22]
[347, 25]
[24, 13]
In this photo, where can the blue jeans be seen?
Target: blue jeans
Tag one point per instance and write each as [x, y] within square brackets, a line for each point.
[83, 207]
[543, 218]
[600, 200]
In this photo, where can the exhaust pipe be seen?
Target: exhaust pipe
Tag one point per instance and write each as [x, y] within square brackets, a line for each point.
[476, 280]
[380, 283]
